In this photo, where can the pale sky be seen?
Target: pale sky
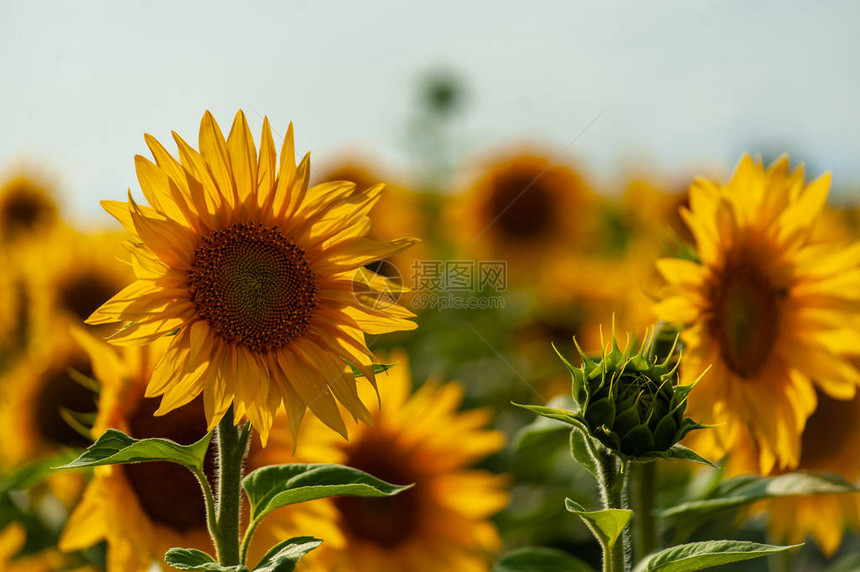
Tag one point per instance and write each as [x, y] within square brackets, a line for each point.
[681, 83]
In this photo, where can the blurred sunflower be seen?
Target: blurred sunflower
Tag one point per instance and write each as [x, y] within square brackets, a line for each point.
[829, 445]
[11, 311]
[68, 275]
[774, 312]
[34, 394]
[27, 209]
[259, 279]
[524, 208]
[141, 509]
[399, 211]
[12, 539]
[439, 524]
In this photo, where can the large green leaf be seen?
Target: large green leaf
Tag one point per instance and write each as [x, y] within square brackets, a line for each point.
[537, 559]
[197, 560]
[606, 524]
[740, 491]
[115, 447]
[699, 555]
[284, 556]
[272, 487]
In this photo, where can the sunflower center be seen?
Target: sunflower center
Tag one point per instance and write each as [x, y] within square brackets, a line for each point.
[167, 492]
[82, 295]
[385, 522]
[60, 391]
[521, 206]
[253, 285]
[23, 211]
[826, 441]
[746, 315]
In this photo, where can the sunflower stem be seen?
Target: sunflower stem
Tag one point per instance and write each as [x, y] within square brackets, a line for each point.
[645, 531]
[232, 447]
[612, 478]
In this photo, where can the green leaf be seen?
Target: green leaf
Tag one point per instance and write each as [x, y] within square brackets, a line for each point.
[678, 451]
[740, 491]
[583, 451]
[115, 447]
[26, 476]
[699, 555]
[606, 524]
[275, 486]
[284, 556]
[377, 369]
[537, 559]
[197, 560]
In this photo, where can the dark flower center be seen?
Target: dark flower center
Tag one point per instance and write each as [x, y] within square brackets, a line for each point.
[253, 285]
[168, 493]
[745, 313]
[82, 295]
[60, 391]
[386, 522]
[521, 206]
[23, 210]
[826, 439]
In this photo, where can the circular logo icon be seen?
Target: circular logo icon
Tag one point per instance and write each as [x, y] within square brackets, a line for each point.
[378, 285]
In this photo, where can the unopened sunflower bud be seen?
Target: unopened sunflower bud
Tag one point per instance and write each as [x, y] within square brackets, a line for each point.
[631, 403]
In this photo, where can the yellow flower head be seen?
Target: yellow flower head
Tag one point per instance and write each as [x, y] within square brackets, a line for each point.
[141, 509]
[26, 209]
[258, 280]
[525, 208]
[829, 445]
[773, 310]
[68, 275]
[439, 524]
[34, 394]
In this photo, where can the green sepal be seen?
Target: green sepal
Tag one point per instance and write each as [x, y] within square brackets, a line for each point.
[115, 447]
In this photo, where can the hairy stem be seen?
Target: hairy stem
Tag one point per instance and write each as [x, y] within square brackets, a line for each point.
[645, 531]
[232, 447]
[612, 478]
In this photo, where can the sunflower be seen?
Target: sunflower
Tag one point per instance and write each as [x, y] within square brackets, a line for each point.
[27, 209]
[68, 275]
[12, 539]
[258, 279]
[829, 445]
[774, 311]
[142, 509]
[35, 393]
[526, 208]
[439, 524]
[38, 393]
